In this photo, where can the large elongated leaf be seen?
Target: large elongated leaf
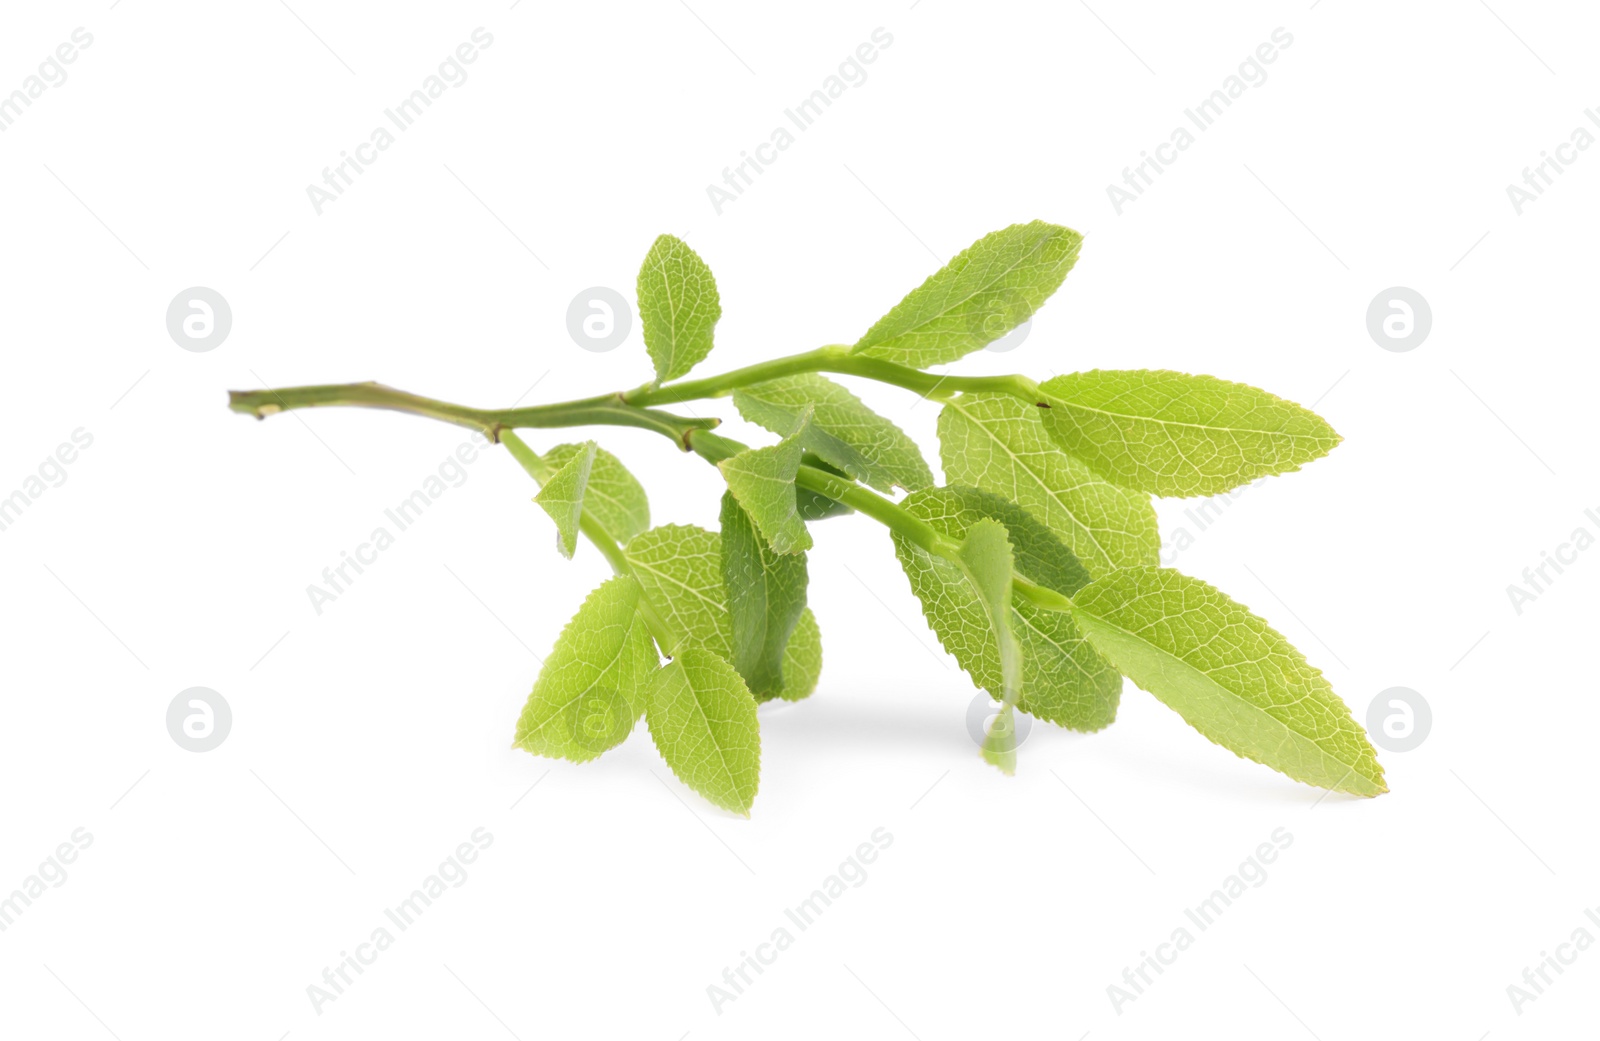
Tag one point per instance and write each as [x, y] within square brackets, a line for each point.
[1229, 674]
[591, 689]
[766, 593]
[679, 566]
[562, 496]
[802, 658]
[1171, 433]
[990, 288]
[613, 497]
[678, 306]
[843, 431]
[1064, 680]
[762, 480]
[998, 443]
[703, 721]
[986, 558]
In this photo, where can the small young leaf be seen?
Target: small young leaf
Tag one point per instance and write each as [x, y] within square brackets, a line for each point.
[802, 659]
[562, 496]
[703, 721]
[1229, 675]
[1064, 680]
[992, 287]
[766, 593]
[614, 497]
[998, 443]
[986, 559]
[762, 479]
[590, 691]
[845, 432]
[678, 306]
[679, 567]
[1170, 433]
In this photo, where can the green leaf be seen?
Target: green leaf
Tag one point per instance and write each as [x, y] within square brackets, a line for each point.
[1170, 433]
[678, 306]
[997, 443]
[562, 496]
[762, 479]
[614, 498]
[986, 558]
[680, 569]
[766, 593]
[591, 689]
[1064, 680]
[993, 286]
[802, 659]
[845, 432]
[703, 721]
[1229, 675]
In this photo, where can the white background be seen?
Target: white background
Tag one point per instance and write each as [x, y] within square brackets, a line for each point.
[369, 741]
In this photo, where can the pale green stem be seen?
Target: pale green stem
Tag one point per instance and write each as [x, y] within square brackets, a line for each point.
[606, 410]
[835, 358]
[630, 409]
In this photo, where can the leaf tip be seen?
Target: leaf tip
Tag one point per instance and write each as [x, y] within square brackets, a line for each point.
[1380, 782]
[1004, 761]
